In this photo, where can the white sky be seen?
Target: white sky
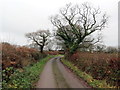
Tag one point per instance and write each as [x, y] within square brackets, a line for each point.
[18, 17]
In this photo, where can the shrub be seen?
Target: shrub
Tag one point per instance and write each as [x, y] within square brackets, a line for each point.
[52, 52]
[18, 57]
[24, 78]
[89, 79]
[14, 58]
[101, 66]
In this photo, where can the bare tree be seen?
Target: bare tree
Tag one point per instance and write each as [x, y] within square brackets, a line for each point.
[112, 49]
[100, 48]
[40, 38]
[75, 24]
[50, 45]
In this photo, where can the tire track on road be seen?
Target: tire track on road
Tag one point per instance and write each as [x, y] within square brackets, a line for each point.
[56, 75]
[60, 80]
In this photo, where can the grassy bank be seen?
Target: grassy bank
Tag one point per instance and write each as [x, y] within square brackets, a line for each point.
[89, 79]
[26, 77]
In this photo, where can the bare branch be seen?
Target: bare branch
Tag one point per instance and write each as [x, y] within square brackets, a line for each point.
[40, 38]
[75, 23]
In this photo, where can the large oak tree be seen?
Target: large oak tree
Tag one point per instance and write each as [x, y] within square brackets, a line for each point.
[75, 24]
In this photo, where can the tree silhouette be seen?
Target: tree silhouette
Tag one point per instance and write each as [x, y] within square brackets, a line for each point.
[75, 24]
[40, 38]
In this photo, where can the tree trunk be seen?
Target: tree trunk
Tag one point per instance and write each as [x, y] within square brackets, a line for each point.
[68, 54]
[41, 49]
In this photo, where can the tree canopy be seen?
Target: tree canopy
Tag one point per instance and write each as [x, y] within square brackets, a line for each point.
[40, 38]
[76, 23]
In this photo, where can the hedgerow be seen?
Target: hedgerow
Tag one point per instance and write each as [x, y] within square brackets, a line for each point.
[18, 56]
[26, 77]
[101, 66]
[89, 79]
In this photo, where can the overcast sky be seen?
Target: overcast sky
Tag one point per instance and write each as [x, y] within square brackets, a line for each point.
[18, 17]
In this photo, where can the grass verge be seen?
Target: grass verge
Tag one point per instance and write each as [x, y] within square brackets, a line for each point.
[28, 76]
[89, 79]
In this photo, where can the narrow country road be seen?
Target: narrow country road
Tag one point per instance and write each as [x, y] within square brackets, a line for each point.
[56, 75]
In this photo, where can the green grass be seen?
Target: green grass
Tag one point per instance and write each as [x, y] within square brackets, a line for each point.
[89, 79]
[26, 78]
